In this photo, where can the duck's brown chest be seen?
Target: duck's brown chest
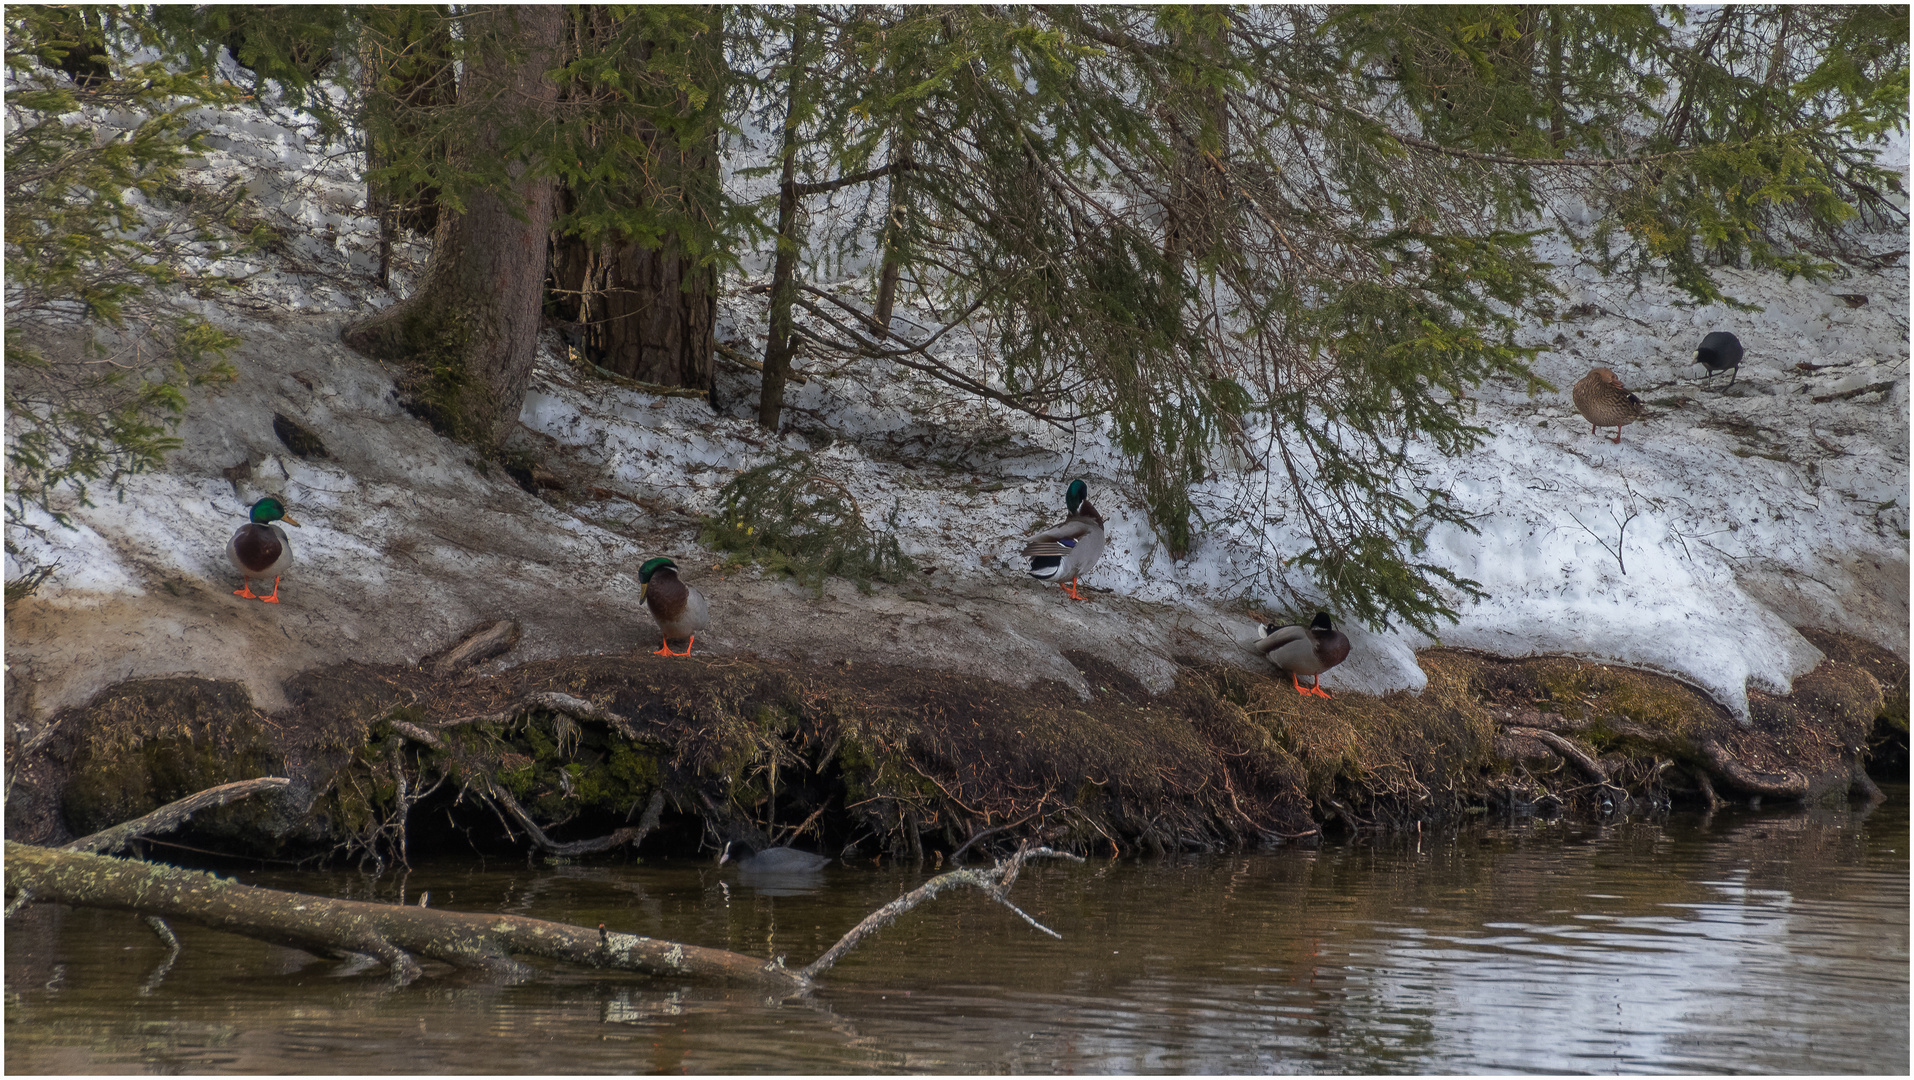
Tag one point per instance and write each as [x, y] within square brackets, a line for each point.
[666, 596]
[257, 547]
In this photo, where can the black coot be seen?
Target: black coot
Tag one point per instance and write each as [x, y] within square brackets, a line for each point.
[777, 860]
[1720, 351]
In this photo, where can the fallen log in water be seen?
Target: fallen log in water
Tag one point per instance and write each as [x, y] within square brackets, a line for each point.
[398, 935]
[392, 933]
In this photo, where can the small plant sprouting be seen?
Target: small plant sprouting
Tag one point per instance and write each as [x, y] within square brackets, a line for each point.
[788, 516]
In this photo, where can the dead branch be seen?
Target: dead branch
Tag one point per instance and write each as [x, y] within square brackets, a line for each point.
[486, 643]
[175, 813]
[732, 355]
[393, 933]
[995, 882]
[1871, 388]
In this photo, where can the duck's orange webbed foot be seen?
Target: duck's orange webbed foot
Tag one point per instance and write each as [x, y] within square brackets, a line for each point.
[689, 642]
[1318, 690]
[274, 598]
[664, 647]
[246, 590]
[1071, 592]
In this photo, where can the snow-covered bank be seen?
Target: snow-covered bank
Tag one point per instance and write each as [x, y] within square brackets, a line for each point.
[1738, 513]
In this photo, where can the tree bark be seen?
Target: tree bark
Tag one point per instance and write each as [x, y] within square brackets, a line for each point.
[392, 933]
[468, 333]
[894, 232]
[777, 350]
[649, 311]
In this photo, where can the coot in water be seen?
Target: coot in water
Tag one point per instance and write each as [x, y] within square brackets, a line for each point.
[777, 860]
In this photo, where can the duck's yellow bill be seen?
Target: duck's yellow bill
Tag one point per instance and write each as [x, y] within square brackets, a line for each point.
[288, 520]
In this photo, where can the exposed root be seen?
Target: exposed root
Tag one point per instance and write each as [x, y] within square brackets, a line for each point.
[174, 814]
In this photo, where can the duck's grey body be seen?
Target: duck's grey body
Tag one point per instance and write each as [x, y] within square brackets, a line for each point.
[1075, 546]
[1305, 650]
[259, 551]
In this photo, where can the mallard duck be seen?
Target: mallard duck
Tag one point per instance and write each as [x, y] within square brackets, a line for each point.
[1605, 402]
[1305, 650]
[777, 860]
[260, 549]
[1068, 550]
[677, 608]
[1719, 351]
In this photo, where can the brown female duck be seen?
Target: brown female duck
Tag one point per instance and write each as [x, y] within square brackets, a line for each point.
[1604, 402]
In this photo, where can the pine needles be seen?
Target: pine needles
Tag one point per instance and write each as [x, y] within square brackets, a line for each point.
[788, 516]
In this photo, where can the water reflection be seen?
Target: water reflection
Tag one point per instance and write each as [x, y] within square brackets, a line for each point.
[1770, 942]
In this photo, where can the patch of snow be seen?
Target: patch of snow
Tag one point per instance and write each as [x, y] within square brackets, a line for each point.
[1737, 513]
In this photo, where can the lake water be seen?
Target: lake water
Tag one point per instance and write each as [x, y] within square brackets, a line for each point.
[1770, 941]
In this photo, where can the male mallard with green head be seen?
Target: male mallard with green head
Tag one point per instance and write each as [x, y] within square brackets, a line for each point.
[1068, 550]
[260, 549]
[1305, 650]
[677, 608]
[1605, 402]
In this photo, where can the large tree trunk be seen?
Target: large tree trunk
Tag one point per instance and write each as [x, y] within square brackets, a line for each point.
[648, 313]
[468, 333]
[648, 310]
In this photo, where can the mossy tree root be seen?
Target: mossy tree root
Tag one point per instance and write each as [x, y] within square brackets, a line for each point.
[1707, 757]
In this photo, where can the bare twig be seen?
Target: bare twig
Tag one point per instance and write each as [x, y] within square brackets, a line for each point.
[995, 882]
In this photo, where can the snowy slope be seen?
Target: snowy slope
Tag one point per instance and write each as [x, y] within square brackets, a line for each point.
[1748, 510]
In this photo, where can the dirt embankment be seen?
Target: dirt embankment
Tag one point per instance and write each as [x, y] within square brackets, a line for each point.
[916, 763]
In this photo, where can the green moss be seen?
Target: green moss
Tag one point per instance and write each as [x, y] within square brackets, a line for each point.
[155, 740]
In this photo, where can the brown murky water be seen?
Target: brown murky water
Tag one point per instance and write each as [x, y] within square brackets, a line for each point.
[1754, 942]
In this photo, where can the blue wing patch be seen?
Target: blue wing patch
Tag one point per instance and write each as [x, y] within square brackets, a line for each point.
[1068, 543]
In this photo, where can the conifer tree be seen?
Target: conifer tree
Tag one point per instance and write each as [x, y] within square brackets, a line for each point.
[469, 330]
[1304, 233]
[640, 213]
[101, 352]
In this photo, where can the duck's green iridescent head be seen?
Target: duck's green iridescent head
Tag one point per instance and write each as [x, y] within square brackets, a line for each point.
[268, 510]
[652, 566]
[1077, 492]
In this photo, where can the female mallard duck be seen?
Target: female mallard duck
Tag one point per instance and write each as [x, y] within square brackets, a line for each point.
[260, 549]
[1068, 550]
[677, 608]
[1605, 402]
[1305, 650]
